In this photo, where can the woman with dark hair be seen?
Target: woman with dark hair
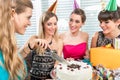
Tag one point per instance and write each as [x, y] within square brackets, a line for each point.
[119, 16]
[109, 23]
[75, 40]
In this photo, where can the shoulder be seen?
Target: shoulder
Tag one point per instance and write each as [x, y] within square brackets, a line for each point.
[95, 35]
[62, 35]
[60, 41]
[85, 35]
[34, 37]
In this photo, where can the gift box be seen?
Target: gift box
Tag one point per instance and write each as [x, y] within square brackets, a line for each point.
[108, 57]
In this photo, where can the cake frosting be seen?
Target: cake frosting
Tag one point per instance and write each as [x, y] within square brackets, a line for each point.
[75, 71]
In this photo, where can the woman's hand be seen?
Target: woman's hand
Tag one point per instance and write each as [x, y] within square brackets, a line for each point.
[38, 43]
[33, 43]
[87, 56]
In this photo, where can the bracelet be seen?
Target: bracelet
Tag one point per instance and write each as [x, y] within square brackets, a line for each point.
[29, 46]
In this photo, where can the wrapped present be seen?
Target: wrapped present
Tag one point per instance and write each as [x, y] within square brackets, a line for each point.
[116, 44]
[108, 57]
[102, 73]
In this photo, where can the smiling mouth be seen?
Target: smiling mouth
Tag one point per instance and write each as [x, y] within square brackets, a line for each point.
[72, 28]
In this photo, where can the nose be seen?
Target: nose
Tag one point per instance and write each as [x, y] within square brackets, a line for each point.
[102, 24]
[72, 23]
[54, 26]
[29, 23]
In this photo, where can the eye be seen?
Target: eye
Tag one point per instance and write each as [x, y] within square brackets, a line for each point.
[29, 17]
[55, 23]
[49, 24]
[106, 22]
[71, 20]
[77, 21]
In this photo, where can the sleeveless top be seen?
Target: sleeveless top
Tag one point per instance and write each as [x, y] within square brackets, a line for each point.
[41, 66]
[74, 51]
[102, 40]
[4, 74]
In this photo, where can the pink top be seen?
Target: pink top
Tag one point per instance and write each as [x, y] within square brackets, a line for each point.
[74, 51]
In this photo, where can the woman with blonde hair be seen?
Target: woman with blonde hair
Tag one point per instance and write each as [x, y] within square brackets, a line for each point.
[41, 58]
[14, 18]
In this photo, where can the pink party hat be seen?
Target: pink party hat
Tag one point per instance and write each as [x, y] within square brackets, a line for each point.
[75, 6]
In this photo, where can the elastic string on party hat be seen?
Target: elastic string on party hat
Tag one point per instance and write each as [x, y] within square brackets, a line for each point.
[75, 5]
[112, 5]
[52, 8]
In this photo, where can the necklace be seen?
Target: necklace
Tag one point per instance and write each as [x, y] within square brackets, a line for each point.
[50, 42]
[48, 49]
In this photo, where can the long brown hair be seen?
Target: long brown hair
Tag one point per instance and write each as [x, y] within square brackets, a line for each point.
[80, 12]
[13, 61]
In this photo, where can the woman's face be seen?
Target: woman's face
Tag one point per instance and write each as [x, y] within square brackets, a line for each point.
[108, 26]
[50, 26]
[22, 20]
[75, 23]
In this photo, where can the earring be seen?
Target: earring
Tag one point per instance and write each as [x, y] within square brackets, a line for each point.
[12, 12]
[119, 26]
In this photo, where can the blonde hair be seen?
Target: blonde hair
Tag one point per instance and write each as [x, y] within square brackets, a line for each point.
[43, 19]
[13, 62]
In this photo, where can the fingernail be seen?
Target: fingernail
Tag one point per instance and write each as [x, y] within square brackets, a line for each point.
[38, 43]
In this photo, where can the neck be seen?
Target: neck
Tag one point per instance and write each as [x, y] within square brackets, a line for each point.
[74, 34]
[49, 39]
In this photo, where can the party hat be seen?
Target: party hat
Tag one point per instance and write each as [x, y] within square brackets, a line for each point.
[75, 6]
[103, 4]
[112, 5]
[53, 7]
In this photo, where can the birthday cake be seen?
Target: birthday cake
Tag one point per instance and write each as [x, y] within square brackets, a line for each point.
[75, 71]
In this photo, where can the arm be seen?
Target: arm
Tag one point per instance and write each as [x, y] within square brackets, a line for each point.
[86, 37]
[33, 43]
[93, 44]
[60, 47]
[94, 40]
[25, 50]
